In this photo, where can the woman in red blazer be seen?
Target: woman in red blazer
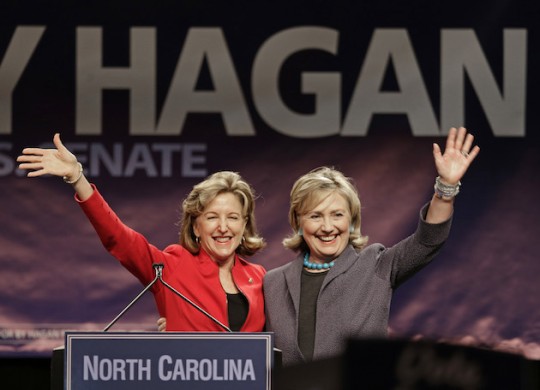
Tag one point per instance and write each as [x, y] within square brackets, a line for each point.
[206, 266]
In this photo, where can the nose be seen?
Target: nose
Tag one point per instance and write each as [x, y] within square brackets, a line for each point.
[223, 225]
[327, 225]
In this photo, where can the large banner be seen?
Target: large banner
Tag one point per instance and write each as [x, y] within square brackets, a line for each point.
[154, 96]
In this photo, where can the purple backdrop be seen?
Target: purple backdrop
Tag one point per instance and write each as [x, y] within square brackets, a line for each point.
[54, 274]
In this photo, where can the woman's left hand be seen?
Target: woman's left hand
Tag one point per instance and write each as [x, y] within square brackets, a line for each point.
[162, 324]
[459, 153]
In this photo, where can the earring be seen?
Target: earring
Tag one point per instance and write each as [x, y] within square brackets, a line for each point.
[197, 240]
[351, 229]
[300, 232]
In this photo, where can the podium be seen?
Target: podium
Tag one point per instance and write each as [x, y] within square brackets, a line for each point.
[164, 360]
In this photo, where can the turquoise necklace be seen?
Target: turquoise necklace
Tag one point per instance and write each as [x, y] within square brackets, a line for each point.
[308, 264]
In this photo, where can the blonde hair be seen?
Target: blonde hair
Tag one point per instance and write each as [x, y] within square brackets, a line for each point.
[204, 193]
[309, 190]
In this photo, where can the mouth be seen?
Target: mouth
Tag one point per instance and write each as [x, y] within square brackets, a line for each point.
[222, 239]
[327, 239]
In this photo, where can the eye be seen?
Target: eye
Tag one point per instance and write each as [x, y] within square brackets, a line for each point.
[314, 217]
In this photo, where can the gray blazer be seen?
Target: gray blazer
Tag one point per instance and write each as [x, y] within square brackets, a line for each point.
[355, 297]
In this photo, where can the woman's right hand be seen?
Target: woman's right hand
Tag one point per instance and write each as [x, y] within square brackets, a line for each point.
[58, 162]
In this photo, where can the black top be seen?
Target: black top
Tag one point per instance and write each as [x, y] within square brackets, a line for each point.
[310, 286]
[237, 306]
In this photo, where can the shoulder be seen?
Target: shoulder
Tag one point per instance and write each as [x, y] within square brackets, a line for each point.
[177, 250]
[252, 267]
[278, 272]
[175, 255]
[370, 252]
[373, 250]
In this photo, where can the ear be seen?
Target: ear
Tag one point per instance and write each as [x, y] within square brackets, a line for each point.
[195, 227]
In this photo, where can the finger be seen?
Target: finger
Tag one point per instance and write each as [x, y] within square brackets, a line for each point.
[39, 172]
[473, 153]
[437, 155]
[436, 149]
[35, 151]
[468, 143]
[30, 158]
[34, 166]
[451, 139]
[459, 138]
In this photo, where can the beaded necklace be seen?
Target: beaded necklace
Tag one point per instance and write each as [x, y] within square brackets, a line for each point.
[308, 264]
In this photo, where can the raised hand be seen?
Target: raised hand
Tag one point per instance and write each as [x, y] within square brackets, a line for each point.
[459, 153]
[57, 162]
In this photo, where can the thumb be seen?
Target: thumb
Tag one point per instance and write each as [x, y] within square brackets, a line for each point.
[58, 143]
[436, 152]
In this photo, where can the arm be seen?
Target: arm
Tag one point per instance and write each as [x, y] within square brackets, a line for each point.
[128, 246]
[451, 166]
[58, 162]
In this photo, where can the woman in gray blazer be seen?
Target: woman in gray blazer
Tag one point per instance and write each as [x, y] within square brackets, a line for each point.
[338, 287]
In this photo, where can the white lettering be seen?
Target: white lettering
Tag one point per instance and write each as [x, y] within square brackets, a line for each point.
[93, 78]
[145, 372]
[461, 56]
[267, 66]
[119, 369]
[105, 369]
[226, 98]
[205, 369]
[154, 160]
[192, 366]
[390, 46]
[90, 368]
[249, 371]
[140, 158]
[216, 376]
[163, 374]
[96, 369]
[460, 53]
[167, 150]
[189, 159]
[20, 50]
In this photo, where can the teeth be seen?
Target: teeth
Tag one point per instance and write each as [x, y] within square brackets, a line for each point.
[327, 239]
[222, 239]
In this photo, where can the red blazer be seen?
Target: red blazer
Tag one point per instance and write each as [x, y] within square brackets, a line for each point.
[195, 276]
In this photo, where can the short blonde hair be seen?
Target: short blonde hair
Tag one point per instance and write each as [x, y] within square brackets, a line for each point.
[204, 193]
[309, 190]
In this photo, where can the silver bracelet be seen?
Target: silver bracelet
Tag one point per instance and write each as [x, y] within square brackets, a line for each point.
[445, 191]
[66, 180]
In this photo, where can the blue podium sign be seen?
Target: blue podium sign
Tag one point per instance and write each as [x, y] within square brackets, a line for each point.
[168, 360]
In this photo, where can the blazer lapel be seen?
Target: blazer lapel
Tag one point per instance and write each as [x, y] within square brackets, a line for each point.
[292, 279]
[342, 264]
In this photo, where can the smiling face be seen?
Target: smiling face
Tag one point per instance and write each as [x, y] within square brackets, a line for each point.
[326, 228]
[220, 227]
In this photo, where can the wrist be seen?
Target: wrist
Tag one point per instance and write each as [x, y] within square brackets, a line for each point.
[75, 178]
[444, 190]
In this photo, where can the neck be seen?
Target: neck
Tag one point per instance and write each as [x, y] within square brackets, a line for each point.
[316, 266]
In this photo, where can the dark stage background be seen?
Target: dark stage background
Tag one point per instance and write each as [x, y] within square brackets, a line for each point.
[153, 96]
